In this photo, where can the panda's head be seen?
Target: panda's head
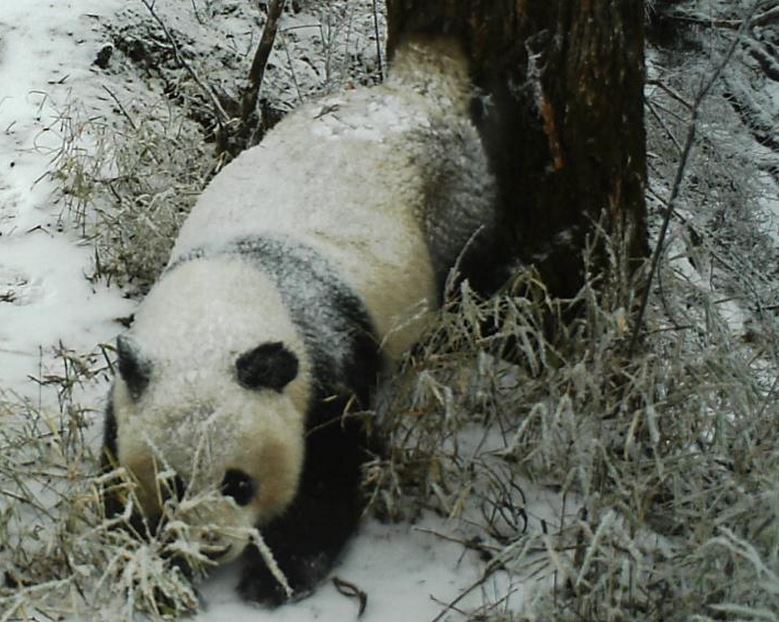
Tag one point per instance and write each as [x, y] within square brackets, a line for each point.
[229, 422]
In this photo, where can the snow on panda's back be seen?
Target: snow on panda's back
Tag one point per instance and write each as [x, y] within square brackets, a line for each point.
[389, 183]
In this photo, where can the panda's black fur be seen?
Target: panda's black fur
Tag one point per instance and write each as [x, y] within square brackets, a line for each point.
[310, 535]
[308, 328]
[301, 273]
[308, 538]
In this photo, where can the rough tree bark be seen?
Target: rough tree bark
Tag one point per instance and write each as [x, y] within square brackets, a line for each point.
[563, 120]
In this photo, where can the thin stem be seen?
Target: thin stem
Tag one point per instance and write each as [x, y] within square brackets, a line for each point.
[219, 112]
[260, 61]
[680, 175]
[378, 38]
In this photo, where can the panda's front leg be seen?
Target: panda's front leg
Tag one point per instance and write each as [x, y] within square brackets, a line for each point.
[308, 539]
[303, 570]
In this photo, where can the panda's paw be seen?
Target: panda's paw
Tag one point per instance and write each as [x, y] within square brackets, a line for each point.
[259, 585]
[263, 590]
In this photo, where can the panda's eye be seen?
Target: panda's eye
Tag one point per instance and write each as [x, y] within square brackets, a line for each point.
[238, 485]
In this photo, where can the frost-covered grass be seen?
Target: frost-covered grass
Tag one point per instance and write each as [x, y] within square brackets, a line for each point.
[62, 553]
[665, 463]
[129, 183]
[668, 457]
[662, 465]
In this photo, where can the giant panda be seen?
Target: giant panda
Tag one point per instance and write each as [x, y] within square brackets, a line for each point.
[307, 267]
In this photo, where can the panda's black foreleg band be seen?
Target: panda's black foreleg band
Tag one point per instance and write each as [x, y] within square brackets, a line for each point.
[308, 539]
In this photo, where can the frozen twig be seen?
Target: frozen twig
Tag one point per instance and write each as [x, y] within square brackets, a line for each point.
[260, 61]
[488, 571]
[270, 561]
[761, 19]
[121, 107]
[378, 38]
[681, 172]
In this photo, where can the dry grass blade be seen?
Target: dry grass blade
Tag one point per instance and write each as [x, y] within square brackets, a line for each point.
[656, 455]
[131, 190]
[662, 459]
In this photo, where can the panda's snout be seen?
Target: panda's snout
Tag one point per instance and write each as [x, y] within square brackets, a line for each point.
[213, 545]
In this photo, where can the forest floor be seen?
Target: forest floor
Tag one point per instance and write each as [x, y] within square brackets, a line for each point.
[79, 77]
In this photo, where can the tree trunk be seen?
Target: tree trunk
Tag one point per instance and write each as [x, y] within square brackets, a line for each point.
[562, 121]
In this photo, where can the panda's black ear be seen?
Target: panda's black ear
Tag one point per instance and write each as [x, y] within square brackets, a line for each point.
[134, 367]
[268, 366]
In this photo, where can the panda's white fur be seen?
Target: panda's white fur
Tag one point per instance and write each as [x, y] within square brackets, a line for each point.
[375, 192]
[352, 174]
[193, 326]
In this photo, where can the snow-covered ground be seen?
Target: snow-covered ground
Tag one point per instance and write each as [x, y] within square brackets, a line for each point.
[47, 51]
[47, 296]
[407, 574]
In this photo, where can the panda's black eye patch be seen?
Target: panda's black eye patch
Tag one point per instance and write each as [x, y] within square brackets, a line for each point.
[268, 366]
[239, 486]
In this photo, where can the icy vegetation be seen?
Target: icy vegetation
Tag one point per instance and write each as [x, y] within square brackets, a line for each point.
[554, 472]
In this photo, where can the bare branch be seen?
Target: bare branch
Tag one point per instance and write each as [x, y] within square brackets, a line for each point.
[681, 172]
[670, 92]
[766, 17]
[122, 109]
[378, 38]
[260, 62]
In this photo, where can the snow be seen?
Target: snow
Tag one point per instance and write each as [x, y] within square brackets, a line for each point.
[53, 302]
[47, 47]
[405, 571]
[46, 52]
[43, 62]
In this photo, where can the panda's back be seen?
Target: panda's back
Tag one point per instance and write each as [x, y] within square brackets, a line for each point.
[352, 177]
